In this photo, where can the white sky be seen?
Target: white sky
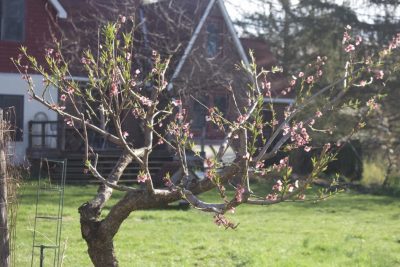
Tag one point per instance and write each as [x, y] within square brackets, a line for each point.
[365, 12]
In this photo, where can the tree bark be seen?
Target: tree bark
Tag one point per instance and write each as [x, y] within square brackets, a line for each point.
[4, 235]
[99, 234]
[100, 245]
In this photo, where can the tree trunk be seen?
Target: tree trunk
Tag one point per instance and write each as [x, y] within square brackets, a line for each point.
[4, 236]
[100, 245]
[99, 234]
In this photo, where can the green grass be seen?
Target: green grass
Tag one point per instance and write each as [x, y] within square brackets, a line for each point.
[348, 230]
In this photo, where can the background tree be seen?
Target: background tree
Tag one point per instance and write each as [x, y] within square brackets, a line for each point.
[301, 30]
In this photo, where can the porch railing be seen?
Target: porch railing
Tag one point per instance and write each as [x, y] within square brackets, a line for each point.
[55, 135]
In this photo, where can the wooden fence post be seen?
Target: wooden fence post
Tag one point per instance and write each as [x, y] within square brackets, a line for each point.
[4, 235]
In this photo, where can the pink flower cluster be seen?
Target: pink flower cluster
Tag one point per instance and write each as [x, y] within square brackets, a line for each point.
[145, 101]
[298, 134]
[283, 163]
[372, 104]
[177, 102]
[143, 177]
[209, 163]
[347, 40]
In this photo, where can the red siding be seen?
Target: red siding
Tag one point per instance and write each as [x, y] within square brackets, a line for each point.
[37, 34]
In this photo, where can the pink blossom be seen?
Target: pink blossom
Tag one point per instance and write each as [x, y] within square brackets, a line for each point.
[302, 196]
[319, 73]
[122, 19]
[143, 177]
[272, 197]
[379, 74]
[290, 188]
[63, 97]
[307, 148]
[363, 83]
[69, 122]
[349, 48]
[209, 162]
[208, 118]
[125, 134]
[145, 101]
[128, 56]
[167, 181]
[137, 72]
[348, 27]
[177, 102]
[84, 61]
[286, 129]
[358, 40]
[259, 165]
[318, 114]
[346, 37]
[70, 90]
[278, 186]
[49, 51]
[241, 118]
[310, 79]
[292, 82]
[372, 104]
[301, 74]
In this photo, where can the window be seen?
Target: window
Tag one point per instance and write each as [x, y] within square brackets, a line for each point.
[14, 106]
[12, 20]
[198, 113]
[214, 41]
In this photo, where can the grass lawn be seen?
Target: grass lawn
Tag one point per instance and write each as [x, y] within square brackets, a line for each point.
[348, 230]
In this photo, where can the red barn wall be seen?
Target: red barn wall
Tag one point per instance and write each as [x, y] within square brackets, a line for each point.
[38, 15]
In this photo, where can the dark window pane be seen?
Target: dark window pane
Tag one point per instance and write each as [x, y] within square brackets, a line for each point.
[199, 113]
[221, 102]
[212, 39]
[12, 20]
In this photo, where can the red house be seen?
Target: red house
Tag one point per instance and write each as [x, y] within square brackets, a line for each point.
[198, 34]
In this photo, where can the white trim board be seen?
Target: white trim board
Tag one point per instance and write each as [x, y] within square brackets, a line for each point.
[61, 13]
[279, 100]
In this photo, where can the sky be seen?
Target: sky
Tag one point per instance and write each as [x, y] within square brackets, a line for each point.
[364, 12]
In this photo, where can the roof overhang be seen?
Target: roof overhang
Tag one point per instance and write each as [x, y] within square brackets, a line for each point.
[61, 13]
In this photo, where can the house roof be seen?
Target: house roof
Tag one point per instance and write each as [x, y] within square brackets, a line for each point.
[170, 27]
